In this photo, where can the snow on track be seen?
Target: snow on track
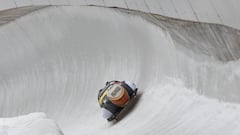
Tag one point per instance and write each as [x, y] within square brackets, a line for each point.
[56, 59]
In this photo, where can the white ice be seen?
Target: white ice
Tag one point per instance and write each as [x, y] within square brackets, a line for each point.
[31, 124]
[56, 59]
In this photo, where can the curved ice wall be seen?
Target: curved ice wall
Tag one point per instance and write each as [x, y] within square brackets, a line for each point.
[55, 60]
[212, 11]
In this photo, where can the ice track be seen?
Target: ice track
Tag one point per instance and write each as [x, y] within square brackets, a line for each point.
[54, 60]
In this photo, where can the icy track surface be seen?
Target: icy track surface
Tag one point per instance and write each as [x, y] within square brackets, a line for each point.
[55, 60]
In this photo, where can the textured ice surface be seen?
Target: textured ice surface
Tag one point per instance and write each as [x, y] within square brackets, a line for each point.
[31, 124]
[55, 60]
